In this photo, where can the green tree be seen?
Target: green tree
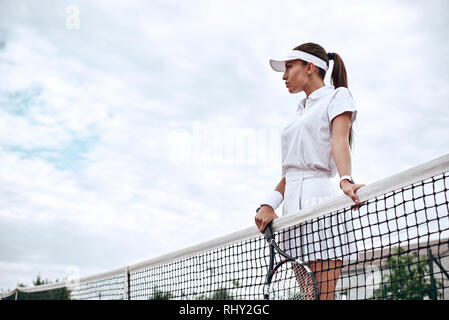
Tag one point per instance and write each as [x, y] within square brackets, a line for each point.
[54, 294]
[407, 278]
[39, 281]
[222, 294]
[160, 295]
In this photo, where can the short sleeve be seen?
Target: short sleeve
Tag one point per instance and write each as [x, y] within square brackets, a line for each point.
[342, 102]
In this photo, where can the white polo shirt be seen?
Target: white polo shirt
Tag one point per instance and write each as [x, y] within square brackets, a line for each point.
[306, 141]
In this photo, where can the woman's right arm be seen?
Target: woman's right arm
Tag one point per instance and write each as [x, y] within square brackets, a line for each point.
[281, 186]
[266, 213]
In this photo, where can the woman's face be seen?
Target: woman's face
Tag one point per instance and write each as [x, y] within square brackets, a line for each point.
[295, 76]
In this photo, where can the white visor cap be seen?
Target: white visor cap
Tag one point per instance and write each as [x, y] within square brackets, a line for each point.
[279, 64]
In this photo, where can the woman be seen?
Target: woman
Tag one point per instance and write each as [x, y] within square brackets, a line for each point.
[315, 145]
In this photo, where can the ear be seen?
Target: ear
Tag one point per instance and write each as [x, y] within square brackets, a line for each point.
[310, 68]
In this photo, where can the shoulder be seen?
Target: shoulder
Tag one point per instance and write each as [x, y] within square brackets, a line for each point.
[342, 92]
[342, 95]
[341, 102]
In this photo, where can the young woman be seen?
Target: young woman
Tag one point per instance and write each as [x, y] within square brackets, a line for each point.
[315, 145]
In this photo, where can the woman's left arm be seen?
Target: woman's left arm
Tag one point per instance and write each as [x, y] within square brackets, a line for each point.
[341, 153]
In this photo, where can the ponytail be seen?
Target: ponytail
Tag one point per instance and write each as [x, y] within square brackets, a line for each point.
[339, 77]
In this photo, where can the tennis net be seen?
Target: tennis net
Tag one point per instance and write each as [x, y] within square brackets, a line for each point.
[398, 240]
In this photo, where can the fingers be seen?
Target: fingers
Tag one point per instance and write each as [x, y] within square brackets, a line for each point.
[263, 218]
[351, 192]
[258, 221]
[354, 197]
[262, 224]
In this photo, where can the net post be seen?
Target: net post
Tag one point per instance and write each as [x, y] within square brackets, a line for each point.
[440, 266]
[126, 286]
[432, 276]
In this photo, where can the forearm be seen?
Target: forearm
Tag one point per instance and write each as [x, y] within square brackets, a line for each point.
[281, 186]
[342, 157]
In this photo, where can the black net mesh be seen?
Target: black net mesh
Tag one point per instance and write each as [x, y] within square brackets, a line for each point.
[395, 246]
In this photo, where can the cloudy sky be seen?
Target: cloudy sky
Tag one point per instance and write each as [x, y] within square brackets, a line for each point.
[129, 129]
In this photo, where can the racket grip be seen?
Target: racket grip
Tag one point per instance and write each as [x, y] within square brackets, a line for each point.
[268, 232]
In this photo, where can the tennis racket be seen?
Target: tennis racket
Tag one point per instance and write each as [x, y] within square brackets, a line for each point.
[289, 279]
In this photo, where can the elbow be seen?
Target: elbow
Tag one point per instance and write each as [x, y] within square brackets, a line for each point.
[339, 143]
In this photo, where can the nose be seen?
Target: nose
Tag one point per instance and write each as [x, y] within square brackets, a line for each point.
[284, 76]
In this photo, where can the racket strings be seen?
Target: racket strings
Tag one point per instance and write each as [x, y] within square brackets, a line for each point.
[304, 281]
[291, 281]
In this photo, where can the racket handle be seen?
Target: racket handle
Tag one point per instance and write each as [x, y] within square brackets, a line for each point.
[268, 232]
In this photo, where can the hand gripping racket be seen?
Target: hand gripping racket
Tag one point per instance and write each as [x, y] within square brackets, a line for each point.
[290, 279]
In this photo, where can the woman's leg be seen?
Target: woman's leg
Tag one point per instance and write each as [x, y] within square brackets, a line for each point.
[326, 274]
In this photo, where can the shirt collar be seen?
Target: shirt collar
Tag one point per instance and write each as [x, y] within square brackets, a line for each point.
[315, 95]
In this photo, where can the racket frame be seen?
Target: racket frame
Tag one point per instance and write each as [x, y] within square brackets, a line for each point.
[287, 258]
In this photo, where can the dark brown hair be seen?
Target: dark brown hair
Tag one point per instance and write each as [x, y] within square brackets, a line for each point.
[338, 77]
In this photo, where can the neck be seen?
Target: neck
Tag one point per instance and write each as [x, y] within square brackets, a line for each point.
[312, 86]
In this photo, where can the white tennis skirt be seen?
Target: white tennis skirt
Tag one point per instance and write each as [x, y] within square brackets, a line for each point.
[326, 238]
